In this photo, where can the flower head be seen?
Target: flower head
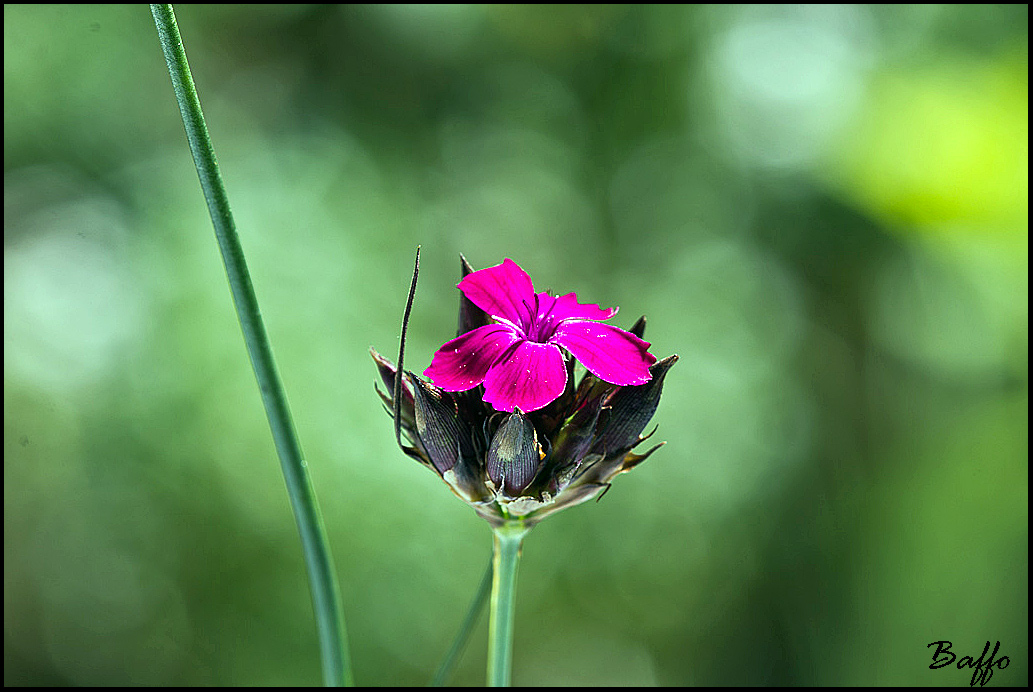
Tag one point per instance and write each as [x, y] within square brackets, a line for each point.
[518, 356]
[562, 445]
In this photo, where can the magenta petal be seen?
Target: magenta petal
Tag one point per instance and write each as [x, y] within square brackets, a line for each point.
[504, 291]
[527, 377]
[567, 307]
[463, 362]
[608, 352]
[553, 310]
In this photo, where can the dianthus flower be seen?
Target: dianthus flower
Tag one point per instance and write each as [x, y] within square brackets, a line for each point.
[518, 358]
[504, 424]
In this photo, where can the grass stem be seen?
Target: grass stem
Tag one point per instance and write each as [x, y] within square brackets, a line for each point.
[326, 599]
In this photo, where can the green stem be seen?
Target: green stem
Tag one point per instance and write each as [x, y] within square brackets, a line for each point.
[326, 599]
[508, 540]
[463, 637]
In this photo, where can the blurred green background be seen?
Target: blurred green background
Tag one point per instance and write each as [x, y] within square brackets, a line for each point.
[821, 209]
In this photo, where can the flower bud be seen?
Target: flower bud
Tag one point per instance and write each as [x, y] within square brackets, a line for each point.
[442, 432]
[514, 454]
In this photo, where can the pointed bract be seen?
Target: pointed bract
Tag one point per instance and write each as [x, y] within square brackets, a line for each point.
[387, 372]
[630, 409]
[639, 328]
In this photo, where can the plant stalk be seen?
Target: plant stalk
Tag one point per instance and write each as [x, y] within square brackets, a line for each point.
[508, 540]
[326, 599]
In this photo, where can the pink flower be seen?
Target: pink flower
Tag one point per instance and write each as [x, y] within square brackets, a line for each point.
[520, 358]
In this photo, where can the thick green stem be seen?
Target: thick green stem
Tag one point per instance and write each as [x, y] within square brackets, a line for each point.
[508, 540]
[326, 599]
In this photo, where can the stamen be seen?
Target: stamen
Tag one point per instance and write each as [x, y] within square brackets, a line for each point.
[532, 313]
